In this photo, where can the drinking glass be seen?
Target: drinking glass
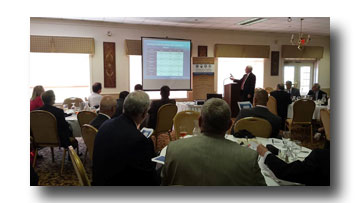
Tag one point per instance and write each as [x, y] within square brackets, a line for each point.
[286, 138]
[183, 131]
[65, 107]
[296, 148]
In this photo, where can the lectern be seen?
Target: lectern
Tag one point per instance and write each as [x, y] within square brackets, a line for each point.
[232, 96]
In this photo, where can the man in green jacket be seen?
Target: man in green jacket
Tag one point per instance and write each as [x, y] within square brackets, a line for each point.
[209, 159]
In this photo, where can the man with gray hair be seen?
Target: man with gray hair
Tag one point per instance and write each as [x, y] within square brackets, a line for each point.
[122, 154]
[247, 84]
[63, 127]
[107, 110]
[292, 90]
[316, 93]
[209, 159]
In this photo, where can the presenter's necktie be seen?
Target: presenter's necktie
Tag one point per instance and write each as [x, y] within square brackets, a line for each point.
[243, 82]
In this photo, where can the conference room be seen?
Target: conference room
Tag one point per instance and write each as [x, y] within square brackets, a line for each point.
[206, 87]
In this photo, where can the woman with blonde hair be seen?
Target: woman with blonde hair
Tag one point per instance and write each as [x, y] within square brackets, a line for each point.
[35, 101]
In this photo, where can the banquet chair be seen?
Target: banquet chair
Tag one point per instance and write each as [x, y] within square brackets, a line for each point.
[303, 111]
[79, 168]
[44, 130]
[272, 105]
[185, 119]
[164, 121]
[88, 133]
[325, 119]
[269, 89]
[71, 100]
[256, 126]
[85, 117]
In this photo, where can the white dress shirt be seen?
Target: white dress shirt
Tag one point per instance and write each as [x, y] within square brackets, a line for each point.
[94, 99]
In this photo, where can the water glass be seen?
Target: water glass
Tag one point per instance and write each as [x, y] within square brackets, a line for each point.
[296, 148]
[65, 107]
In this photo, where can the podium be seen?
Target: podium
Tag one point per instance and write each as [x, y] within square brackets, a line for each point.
[232, 96]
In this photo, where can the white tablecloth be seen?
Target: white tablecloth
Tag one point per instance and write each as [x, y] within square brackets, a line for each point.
[186, 106]
[270, 179]
[72, 120]
[316, 115]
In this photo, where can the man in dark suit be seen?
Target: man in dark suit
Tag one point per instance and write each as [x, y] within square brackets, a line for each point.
[64, 132]
[282, 101]
[156, 104]
[292, 90]
[122, 154]
[314, 170]
[247, 83]
[107, 110]
[261, 111]
[120, 103]
[316, 93]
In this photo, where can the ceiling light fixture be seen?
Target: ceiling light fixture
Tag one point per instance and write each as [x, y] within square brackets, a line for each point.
[301, 41]
[252, 21]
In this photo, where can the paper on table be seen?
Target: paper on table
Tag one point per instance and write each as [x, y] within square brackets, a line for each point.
[253, 145]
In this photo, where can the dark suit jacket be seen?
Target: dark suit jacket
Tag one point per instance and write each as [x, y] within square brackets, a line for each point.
[282, 101]
[314, 170]
[98, 120]
[320, 95]
[264, 113]
[155, 105]
[122, 155]
[249, 87]
[294, 92]
[63, 128]
[119, 107]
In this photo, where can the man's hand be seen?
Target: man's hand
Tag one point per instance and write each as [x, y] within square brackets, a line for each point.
[232, 78]
[261, 149]
[249, 96]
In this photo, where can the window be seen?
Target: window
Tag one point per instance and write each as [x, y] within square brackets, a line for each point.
[305, 79]
[68, 75]
[289, 74]
[136, 78]
[236, 67]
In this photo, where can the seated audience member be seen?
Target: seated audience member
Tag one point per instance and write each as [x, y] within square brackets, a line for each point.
[261, 111]
[120, 103]
[209, 159]
[283, 99]
[138, 87]
[292, 90]
[63, 128]
[95, 97]
[156, 104]
[314, 170]
[107, 110]
[35, 101]
[316, 93]
[122, 154]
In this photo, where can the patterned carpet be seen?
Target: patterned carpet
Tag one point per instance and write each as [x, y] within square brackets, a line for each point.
[49, 172]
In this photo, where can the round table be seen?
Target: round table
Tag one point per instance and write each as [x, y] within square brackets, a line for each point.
[269, 177]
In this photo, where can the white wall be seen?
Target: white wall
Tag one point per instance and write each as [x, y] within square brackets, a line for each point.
[120, 32]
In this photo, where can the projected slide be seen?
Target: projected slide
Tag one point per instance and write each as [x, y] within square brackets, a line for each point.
[169, 63]
[166, 62]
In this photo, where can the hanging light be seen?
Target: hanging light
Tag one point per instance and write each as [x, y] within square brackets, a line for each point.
[301, 41]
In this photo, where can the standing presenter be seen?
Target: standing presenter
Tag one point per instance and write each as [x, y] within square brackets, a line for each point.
[247, 83]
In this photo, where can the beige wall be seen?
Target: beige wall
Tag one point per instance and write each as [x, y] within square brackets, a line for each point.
[207, 37]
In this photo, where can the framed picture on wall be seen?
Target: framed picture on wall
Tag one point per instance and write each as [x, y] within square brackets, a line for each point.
[109, 65]
[275, 63]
